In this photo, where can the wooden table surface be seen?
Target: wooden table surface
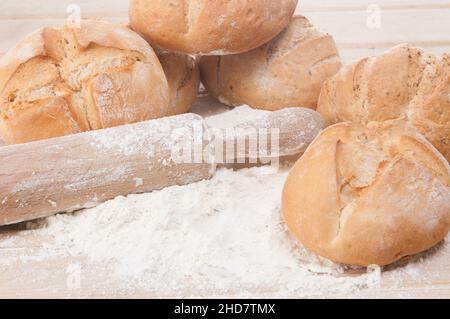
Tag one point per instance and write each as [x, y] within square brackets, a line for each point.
[359, 29]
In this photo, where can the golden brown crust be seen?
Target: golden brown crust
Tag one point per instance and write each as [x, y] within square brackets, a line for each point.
[32, 46]
[287, 72]
[41, 120]
[404, 84]
[365, 195]
[66, 80]
[183, 76]
[210, 26]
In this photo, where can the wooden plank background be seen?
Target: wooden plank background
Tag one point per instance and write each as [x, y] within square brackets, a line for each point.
[425, 23]
[421, 22]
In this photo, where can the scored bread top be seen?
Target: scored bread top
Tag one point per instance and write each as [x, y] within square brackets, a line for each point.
[286, 72]
[59, 81]
[403, 84]
[371, 194]
[213, 27]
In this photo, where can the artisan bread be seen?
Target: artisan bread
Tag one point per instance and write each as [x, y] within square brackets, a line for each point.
[67, 80]
[210, 26]
[372, 194]
[289, 71]
[183, 76]
[404, 84]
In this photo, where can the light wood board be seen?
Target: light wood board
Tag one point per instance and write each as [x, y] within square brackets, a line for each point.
[423, 22]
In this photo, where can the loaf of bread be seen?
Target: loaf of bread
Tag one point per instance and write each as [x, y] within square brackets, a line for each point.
[210, 27]
[289, 71]
[404, 84]
[67, 80]
[183, 77]
[364, 195]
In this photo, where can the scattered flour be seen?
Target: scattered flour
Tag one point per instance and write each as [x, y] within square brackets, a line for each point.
[225, 235]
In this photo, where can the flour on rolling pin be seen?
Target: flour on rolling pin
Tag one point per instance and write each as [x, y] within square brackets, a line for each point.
[80, 171]
[293, 129]
[297, 128]
[235, 117]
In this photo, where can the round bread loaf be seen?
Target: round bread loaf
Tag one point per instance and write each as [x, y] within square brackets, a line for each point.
[364, 195]
[60, 81]
[210, 26]
[183, 77]
[404, 84]
[289, 71]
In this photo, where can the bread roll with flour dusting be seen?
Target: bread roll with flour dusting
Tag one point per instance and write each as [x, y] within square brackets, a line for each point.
[183, 77]
[405, 84]
[365, 195]
[210, 26]
[289, 71]
[60, 81]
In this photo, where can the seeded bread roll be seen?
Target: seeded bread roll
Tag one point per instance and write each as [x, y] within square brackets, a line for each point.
[289, 71]
[61, 81]
[210, 26]
[404, 84]
[183, 77]
[364, 195]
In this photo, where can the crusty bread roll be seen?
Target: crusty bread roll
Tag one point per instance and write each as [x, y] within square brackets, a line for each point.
[403, 84]
[289, 71]
[66, 80]
[210, 26]
[183, 77]
[364, 195]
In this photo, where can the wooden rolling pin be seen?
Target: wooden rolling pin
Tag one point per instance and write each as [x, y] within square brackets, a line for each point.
[79, 171]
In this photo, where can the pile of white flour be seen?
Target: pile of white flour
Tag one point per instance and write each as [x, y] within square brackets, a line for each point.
[224, 236]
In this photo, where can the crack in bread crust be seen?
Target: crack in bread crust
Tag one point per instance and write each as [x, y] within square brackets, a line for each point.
[191, 11]
[64, 70]
[287, 71]
[356, 177]
[368, 194]
[404, 84]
